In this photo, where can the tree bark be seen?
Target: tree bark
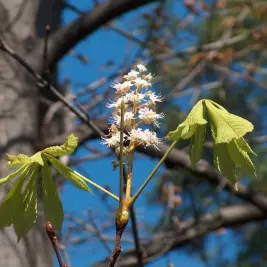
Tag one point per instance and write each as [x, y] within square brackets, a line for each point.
[19, 118]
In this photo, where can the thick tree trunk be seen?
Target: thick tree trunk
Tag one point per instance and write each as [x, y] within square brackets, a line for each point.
[19, 121]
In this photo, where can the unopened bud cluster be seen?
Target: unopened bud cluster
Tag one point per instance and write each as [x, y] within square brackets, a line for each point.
[139, 103]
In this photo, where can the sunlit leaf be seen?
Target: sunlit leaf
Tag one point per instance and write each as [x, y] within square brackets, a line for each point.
[241, 158]
[242, 143]
[18, 160]
[224, 163]
[68, 173]
[66, 149]
[27, 215]
[186, 129]
[196, 146]
[12, 175]
[53, 210]
[13, 201]
[37, 158]
[22, 159]
[226, 126]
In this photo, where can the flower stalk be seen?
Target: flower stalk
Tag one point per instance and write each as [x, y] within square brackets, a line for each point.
[134, 114]
[121, 152]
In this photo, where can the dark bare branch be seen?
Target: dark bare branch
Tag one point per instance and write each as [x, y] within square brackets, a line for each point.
[188, 230]
[67, 37]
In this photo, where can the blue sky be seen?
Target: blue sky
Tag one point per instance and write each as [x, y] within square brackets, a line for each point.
[99, 47]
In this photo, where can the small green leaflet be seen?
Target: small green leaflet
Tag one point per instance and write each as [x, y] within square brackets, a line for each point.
[196, 145]
[13, 175]
[194, 126]
[27, 216]
[230, 149]
[226, 126]
[66, 149]
[186, 129]
[13, 201]
[22, 159]
[19, 160]
[240, 157]
[224, 163]
[53, 209]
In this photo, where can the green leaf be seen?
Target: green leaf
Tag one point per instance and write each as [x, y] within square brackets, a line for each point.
[224, 163]
[196, 146]
[66, 149]
[27, 215]
[226, 126]
[186, 129]
[241, 157]
[13, 175]
[68, 173]
[242, 143]
[18, 160]
[37, 158]
[23, 159]
[13, 201]
[53, 210]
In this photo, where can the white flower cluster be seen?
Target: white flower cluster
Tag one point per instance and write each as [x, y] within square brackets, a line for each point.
[139, 103]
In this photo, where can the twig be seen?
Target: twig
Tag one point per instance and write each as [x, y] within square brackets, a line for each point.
[45, 69]
[190, 77]
[98, 232]
[138, 249]
[83, 110]
[43, 82]
[50, 230]
[117, 249]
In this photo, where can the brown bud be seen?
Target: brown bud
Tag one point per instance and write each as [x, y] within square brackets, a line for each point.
[221, 4]
[122, 219]
[177, 200]
[50, 230]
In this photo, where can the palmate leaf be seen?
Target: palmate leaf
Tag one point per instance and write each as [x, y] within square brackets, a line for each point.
[20, 208]
[186, 129]
[230, 149]
[226, 126]
[68, 173]
[53, 210]
[13, 201]
[66, 149]
[27, 216]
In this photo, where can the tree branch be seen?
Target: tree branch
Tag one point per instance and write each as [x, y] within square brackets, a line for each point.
[68, 36]
[188, 230]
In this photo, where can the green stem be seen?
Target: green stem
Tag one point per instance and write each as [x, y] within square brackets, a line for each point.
[51, 159]
[99, 187]
[121, 150]
[142, 187]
